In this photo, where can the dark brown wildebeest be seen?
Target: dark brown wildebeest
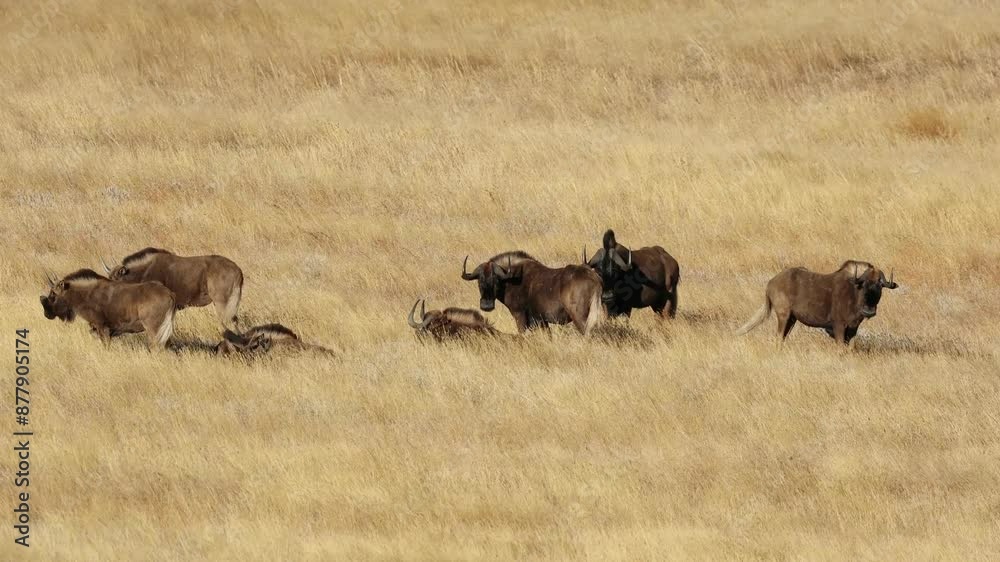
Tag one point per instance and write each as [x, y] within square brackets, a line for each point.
[195, 281]
[636, 278]
[837, 302]
[450, 323]
[537, 295]
[261, 339]
[111, 307]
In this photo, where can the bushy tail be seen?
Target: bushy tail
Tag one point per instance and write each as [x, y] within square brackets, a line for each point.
[166, 329]
[758, 319]
[595, 316]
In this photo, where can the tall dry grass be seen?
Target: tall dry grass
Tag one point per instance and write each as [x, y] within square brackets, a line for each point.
[349, 154]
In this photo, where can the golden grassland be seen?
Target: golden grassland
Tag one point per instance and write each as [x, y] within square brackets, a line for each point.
[348, 155]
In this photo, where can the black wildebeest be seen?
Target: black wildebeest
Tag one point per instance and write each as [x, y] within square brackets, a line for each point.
[537, 295]
[195, 281]
[111, 307]
[261, 339]
[450, 323]
[646, 277]
[837, 302]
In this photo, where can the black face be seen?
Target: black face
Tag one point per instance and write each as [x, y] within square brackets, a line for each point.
[871, 294]
[618, 276]
[490, 287]
[56, 307]
[492, 280]
[871, 291]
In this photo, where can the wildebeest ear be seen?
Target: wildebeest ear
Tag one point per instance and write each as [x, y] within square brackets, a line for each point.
[609, 240]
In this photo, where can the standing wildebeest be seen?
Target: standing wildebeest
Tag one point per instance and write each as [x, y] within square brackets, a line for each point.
[537, 295]
[837, 302]
[195, 281]
[262, 339]
[450, 323]
[636, 279]
[111, 307]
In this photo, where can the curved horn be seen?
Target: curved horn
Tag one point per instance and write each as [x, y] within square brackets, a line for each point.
[50, 279]
[413, 323]
[423, 315]
[585, 260]
[629, 262]
[106, 268]
[891, 284]
[470, 276]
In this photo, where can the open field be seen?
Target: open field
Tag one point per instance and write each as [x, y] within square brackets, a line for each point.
[348, 155]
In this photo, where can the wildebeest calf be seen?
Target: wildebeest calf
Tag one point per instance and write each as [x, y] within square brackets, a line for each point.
[837, 302]
[450, 323]
[112, 308]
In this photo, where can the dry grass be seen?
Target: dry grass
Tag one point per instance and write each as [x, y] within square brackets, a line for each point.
[349, 156]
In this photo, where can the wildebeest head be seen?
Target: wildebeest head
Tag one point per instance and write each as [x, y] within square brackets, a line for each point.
[55, 304]
[492, 279]
[870, 282]
[132, 267]
[610, 265]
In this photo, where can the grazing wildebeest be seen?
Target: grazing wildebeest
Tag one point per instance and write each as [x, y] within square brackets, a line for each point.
[450, 323]
[537, 295]
[837, 302]
[111, 307]
[636, 278]
[195, 281]
[261, 339]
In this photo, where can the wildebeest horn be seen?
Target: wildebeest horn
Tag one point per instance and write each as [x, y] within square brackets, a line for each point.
[470, 276]
[891, 284]
[629, 262]
[413, 323]
[585, 260]
[48, 279]
[106, 268]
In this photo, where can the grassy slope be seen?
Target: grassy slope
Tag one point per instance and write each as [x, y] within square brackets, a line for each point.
[348, 157]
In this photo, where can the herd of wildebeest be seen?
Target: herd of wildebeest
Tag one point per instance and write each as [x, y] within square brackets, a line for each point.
[144, 291]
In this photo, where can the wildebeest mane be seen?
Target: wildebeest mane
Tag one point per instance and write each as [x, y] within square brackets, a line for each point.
[272, 329]
[514, 256]
[466, 315]
[142, 255]
[83, 275]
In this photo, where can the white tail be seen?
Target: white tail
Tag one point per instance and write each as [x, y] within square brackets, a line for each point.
[233, 305]
[595, 315]
[758, 318]
[166, 329]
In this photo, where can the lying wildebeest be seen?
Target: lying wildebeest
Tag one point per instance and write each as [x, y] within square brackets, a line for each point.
[195, 281]
[111, 307]
[261, 339]
[537, 295]
[837, 302]
[450, 323]
[636, 279]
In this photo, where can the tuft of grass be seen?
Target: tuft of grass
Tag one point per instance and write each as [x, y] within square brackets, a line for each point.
[927, 123]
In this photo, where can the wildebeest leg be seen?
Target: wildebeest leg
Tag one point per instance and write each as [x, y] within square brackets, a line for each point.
[521, 320]
[839, 332]
[786, 320]
[849, 334]
[104, 333]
